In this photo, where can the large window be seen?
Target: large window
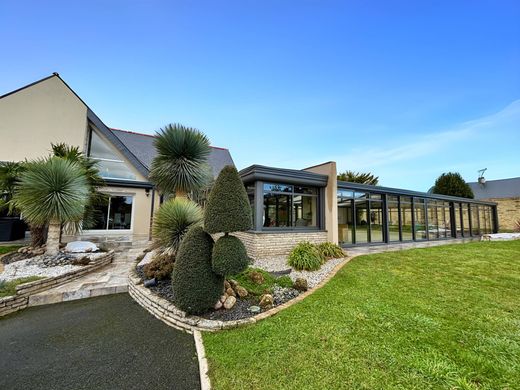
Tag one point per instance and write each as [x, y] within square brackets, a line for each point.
[345, 217]
[109, 164]
[288, 206]
[465, 219]
[393, 218]
[475, 229]
[406, 218]
[114, 213]
[420, 219]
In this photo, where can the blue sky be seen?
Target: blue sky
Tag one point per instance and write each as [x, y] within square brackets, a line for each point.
[404, 89]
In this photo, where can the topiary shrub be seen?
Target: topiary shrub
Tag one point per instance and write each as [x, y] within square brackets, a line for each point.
[196, 288]
[228, 208]
[229, 256]
[160, 268]
[305, 256]
[172, 221]
[330, 250]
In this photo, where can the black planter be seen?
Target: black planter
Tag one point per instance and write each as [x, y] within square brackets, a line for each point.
[12, 229]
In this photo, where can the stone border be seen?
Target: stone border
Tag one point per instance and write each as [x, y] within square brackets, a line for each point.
[176, 318]
[24, 291]
[205, 383]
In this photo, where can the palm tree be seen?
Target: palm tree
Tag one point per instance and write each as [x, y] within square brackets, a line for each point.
[52, 191]
[359, 177]
[181, 162]
[9, 173]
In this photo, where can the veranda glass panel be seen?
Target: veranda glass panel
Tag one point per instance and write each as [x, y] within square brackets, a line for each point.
[304, 211]
[276, 208]
[465, 219]
[345, 221]
[446, 227]
[433, 223]
[376, 221]
[406, 218]
[420, 219]
[475, 230]
[393, 218]
[362, 220]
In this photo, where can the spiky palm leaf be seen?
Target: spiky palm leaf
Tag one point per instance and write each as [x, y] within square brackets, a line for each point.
[172, 221]
[359, 177]
[181, 162]
[9, 176]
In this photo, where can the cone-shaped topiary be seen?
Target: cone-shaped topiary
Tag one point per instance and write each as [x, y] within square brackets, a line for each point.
[228, 208]
[229, 256]
[196, 288]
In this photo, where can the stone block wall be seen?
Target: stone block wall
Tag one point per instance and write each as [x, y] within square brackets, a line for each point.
[508, 212]
[263, 245]
[24, 291]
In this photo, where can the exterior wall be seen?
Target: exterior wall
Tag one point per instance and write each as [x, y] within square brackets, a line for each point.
[264, 245]
[331, 198]
[508, 210]
[34, 117]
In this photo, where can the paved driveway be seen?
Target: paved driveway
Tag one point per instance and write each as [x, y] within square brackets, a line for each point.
[107, 342]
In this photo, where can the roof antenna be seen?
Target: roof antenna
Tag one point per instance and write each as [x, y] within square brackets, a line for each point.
[481, 178]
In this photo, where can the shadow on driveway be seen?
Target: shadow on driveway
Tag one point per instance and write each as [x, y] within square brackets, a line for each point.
[108, 342]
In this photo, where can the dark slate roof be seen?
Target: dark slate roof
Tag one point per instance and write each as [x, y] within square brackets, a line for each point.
[503, 188]
[142, 147]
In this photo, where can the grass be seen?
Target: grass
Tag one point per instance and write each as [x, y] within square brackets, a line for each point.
[8, 248]
[9, 288]
[445, 317]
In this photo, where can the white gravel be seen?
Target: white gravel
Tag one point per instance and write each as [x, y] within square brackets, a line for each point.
[33, 267]
[279, 263]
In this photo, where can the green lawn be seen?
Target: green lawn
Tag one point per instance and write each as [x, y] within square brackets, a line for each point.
[446, 317]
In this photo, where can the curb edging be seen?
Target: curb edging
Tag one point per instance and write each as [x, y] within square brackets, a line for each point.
[205, 383]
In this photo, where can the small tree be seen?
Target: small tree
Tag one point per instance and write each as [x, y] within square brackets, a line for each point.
[195, 286]
[228, 211]
[52, 191]
[181, 162]
[453, 184]
[359, 177]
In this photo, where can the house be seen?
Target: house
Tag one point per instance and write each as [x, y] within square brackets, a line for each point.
[49, 111]
[506, 194]
[289, 206]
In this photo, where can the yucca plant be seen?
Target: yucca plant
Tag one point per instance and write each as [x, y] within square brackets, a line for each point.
[52, 191]
[172, 221]
[181, 162]
[9, 175]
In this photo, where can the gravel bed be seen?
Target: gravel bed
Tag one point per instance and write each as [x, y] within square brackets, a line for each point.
[278, 265]
[237, 312]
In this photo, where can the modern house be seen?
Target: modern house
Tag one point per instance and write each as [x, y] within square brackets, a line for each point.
[49, 111]
[288, 205]
[506, 194]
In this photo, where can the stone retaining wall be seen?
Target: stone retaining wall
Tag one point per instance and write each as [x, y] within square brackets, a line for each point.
[24, 291]
[262, 245]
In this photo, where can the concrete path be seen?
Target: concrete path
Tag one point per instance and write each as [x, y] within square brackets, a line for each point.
[99, 343]
[112, 279]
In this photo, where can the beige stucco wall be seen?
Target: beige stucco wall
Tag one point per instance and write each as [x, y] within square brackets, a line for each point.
[34, 117]
[508, 210]
[331, 198]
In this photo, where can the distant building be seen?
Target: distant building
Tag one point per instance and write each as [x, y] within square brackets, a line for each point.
[506, 193]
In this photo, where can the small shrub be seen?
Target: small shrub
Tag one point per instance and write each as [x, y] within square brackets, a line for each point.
[284, 281]
[330, 251]
[305, 256]
[9, 288]
[172, 221]
[266, 287]
[160, 268]
[229, 256]
[196, 288]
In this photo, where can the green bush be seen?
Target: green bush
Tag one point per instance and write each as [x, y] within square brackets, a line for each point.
[228, 208]
[305, 256]
[229, 256]
[452, 184]
[330, 250]
[9, 288]
[172, 221]
[160, 268]
[196, 288]
[285, 281]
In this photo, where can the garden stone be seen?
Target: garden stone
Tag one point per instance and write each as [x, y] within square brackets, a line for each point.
[223, 298]
[218, 305]
[301, 284]
[241, 291]
[150, 282]
[230, 292]
[233, 283]
[254, 309]
[226, 285]
[81, 247]
[266, 301]
[230, 302]
[256, 277]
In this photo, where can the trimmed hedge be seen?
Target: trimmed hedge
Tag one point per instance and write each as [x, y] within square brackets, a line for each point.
[196, 288]
[229, 256]
[228, 208]
[305, 256]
